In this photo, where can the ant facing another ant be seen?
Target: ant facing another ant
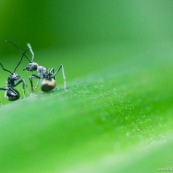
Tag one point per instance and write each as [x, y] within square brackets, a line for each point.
[46, 75]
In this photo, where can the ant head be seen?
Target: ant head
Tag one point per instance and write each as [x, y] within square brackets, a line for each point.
[31, 67]
[14, 76]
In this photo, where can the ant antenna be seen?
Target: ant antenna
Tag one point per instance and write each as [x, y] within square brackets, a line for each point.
[30, 48]
[23, 54]
[5, 69]
[18, 49]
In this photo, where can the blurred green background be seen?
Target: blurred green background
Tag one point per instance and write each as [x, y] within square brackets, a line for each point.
[68, 26]
[61, 24]
[120, 48]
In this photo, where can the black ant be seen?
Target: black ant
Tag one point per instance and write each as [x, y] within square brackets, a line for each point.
[13, 80]
[46, 75]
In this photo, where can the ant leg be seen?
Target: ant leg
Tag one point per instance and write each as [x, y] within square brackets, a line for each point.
[63, 75]
[23, 86]
[37, 83]
[32, 53]
[52, 71]
[4, 89]
[64, 78]
[31, 82]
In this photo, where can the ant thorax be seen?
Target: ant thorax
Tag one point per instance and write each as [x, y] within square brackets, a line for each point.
[41, 71]
[12, 78]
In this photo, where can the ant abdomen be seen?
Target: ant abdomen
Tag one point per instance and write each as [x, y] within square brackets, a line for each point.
[48, 85]
[12, 94]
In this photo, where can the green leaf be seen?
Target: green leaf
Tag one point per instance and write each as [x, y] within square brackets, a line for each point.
[109, 112]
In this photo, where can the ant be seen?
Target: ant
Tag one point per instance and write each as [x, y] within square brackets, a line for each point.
[46, 75]
[13, 80]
